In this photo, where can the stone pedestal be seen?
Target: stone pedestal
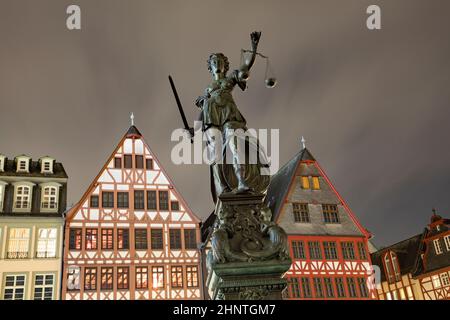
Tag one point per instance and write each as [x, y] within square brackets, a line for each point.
[249, 253]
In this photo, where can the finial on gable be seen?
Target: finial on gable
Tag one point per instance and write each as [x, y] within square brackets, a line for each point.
[132, 119]
[303, 143]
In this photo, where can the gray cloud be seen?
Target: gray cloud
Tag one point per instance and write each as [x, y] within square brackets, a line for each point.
[373, 106]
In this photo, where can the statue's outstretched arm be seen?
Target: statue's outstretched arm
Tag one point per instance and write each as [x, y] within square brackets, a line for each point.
[246, 66]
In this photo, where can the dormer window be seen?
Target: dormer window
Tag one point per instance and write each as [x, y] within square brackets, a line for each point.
[46, 164]
[22, 196]
[391, 267]
[437, 246]
[49, 197]
[23, 163]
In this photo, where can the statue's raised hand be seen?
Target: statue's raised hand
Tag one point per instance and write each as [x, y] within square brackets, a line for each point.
[255, 35]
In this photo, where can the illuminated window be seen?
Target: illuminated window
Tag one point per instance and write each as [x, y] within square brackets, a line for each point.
[141, 277]
[122, 277]
[305, 182]
[157, 277]
[315, 183]
[192, 276]
[176, 276]
[90, 279]
[18, 243]
[46, 246]
[91, 239]
[437, 246]
[395, 266]
[107, 275]
[445, 279]
[123, 239]
[436, 281]
[107, 239]
[446, 238]
[73, 278]
[301, 212]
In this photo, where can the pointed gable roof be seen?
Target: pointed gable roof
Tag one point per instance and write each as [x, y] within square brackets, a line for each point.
[132, 132]
[282, 182]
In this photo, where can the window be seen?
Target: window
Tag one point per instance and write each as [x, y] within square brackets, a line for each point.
[14, 288]
[128, 161]
[190, 239]
[75, 239]
[73, 278]
[122, 199]
[46, 245]
[139, 162]
[123, 239]
[107, 239]
[301, 212]
[107, 199]
[156, 239]
[351, 287]
[141, 277]
[175, 238]
[174, 205]
[444, 279]
[151, 200]
[436, 281]
[23, 196]
[107, 275]
[362, 251]
[316, 183]
[49, 198]
[437, 246]
[122, 277]
[388, 267]
[163, 200]
[318, 288]
[118, 163]
[94, 201]
[298, 250]
[305, 182]
[395, 266]
[22, 165]
[157, 277]
[192, 276]
[330, 213]
[409, 293]
[46, 166]
[364, 292]
[149, 164]
[19, 240]
[340, 287]
[295, 287]
[314, 250]
[446, 238]
[348, 251]
[306, 287]
[140, 237]
[330, 250]
[91, 239]
[90, 279]
[177, 276]
[329, 287]
[139, 199]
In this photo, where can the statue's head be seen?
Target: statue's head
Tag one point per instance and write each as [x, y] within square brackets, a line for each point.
[218, 63]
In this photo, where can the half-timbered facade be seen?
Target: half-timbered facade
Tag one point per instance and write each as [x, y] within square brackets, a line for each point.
[132, 236]
[32, 205]
[417, 268]
[328, 245]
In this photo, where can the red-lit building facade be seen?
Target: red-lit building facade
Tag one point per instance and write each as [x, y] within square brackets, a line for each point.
[329, 247]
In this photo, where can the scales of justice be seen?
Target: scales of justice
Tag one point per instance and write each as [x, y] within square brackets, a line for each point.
[249, 252]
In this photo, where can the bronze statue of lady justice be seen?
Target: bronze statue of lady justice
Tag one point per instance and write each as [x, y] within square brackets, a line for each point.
[219, 114]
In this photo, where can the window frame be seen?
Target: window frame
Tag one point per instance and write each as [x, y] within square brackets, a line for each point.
[300, 211]
[44, 285]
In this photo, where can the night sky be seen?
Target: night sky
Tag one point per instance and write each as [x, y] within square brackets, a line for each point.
[372, 105]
